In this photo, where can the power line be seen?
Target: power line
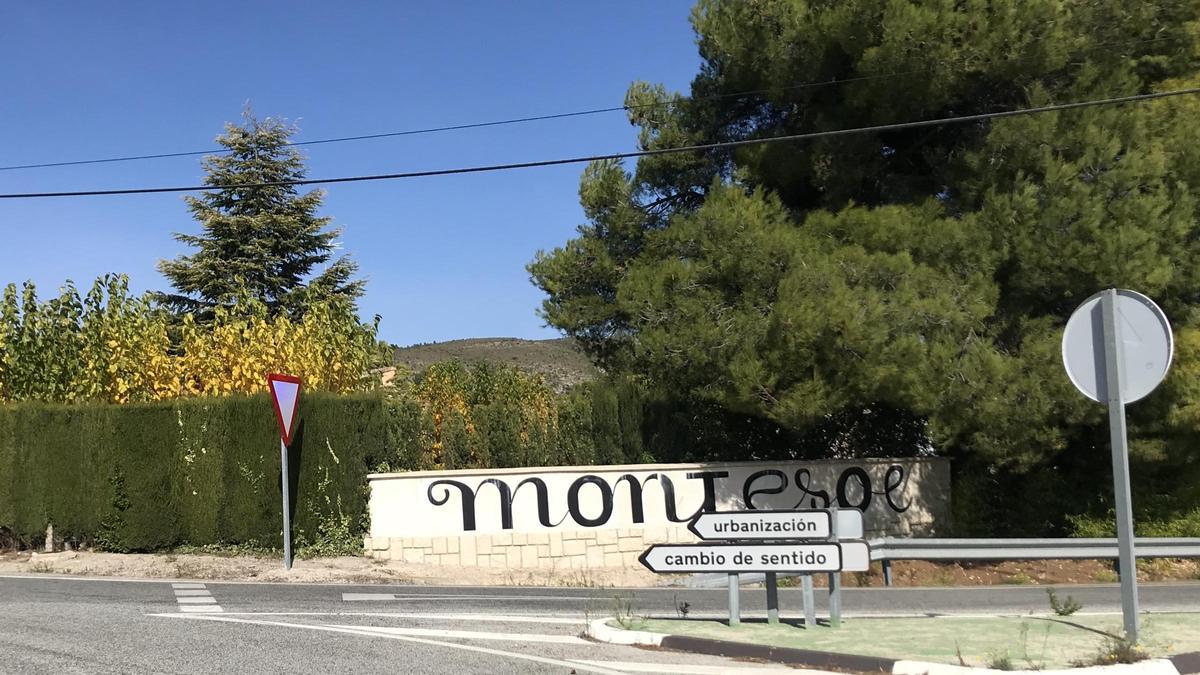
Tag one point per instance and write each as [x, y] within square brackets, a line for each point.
[627, 155]
[340, 139]
[535, 118]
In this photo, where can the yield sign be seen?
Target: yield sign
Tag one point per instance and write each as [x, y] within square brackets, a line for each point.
[285, 394]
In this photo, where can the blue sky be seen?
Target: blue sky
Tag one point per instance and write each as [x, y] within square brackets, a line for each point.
[445, 257]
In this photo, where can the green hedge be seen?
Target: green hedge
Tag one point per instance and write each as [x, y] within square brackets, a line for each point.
[199, 471]
[205, 471]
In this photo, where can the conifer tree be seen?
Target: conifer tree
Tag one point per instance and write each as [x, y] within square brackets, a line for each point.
[260, 236]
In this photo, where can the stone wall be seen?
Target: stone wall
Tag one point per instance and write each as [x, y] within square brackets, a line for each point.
[568, 550]
[574, 518]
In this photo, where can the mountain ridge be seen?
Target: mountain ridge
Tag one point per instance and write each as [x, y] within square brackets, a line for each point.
[556, 359]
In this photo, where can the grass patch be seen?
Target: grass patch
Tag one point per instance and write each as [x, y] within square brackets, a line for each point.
[1063, 607]
[251, 549]
[625, 615]
[1018, 579]
[1117, 650]
[1025, 642]
[1000, 660]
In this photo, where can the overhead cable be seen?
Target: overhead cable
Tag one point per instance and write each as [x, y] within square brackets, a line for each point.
[487, 168]
[532, 118]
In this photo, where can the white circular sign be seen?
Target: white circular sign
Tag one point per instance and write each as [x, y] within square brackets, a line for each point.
[1146, 346]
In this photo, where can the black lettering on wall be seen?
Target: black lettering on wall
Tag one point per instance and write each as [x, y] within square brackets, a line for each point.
[765, 482]
[466, 494]
[606, 501]
[863, 480]
[635, 494]
[710, 488]
[748, 493]
[672, 508]
[804, 482]
[894, 478]
[506, 495]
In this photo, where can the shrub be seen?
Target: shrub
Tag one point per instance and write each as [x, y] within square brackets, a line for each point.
[1063, 607]
[196, 472]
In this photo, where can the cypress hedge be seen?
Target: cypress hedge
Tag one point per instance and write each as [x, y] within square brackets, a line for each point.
[144, 477]
[201, 471]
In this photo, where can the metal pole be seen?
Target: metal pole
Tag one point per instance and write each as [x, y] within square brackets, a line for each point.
[887, 571]
[287, 507]
[735, 612]
[810, 607]
[772, 598]
[1120, 462]
[835, 578]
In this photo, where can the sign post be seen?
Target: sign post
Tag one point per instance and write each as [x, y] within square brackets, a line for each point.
[772, 580]
[285, 396]
[735, 610]
[835, 578]
[1117, 348]
[810, 604]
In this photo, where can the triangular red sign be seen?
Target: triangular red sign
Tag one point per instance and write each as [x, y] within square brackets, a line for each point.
[285, 395]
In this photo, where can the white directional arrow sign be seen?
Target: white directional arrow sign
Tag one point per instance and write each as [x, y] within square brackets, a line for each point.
[765, 524]
[736, 558]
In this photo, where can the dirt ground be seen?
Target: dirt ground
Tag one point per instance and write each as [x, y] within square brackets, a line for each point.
[353, 570]
[347, 569]
[1020, 572]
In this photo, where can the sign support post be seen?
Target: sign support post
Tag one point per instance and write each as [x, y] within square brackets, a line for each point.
[772, 598]
[287, 506]
[810, 606]
[1117, 347]
[835, 578]
[1120, 463]
[735, 611]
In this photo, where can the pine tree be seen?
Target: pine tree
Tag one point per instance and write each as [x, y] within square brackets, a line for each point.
[264, 241]
[924, 273]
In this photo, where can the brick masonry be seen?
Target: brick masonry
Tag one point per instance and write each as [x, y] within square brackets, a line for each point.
[555, 550]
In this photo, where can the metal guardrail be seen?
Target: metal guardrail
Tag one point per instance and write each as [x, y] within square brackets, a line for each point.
[1029, 549]
[887, 550]
[892, 548]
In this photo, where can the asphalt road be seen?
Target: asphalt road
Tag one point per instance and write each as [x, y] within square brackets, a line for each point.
[52, 624]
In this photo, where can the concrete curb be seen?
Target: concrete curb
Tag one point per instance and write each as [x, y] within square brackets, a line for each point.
[1149, 667]
[598, 629]
[1186, 663]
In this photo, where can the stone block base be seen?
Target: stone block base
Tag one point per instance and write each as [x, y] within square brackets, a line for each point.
[549, 550]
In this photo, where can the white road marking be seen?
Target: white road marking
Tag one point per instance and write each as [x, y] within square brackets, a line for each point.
[360, 597]
[200, 608]
[194, 597]
[473, 635]
[564, 619]
[688, 669]
[432, 596]
[206, 600]
[406, 638]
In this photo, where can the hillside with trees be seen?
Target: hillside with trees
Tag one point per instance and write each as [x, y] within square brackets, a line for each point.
[559, 361]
